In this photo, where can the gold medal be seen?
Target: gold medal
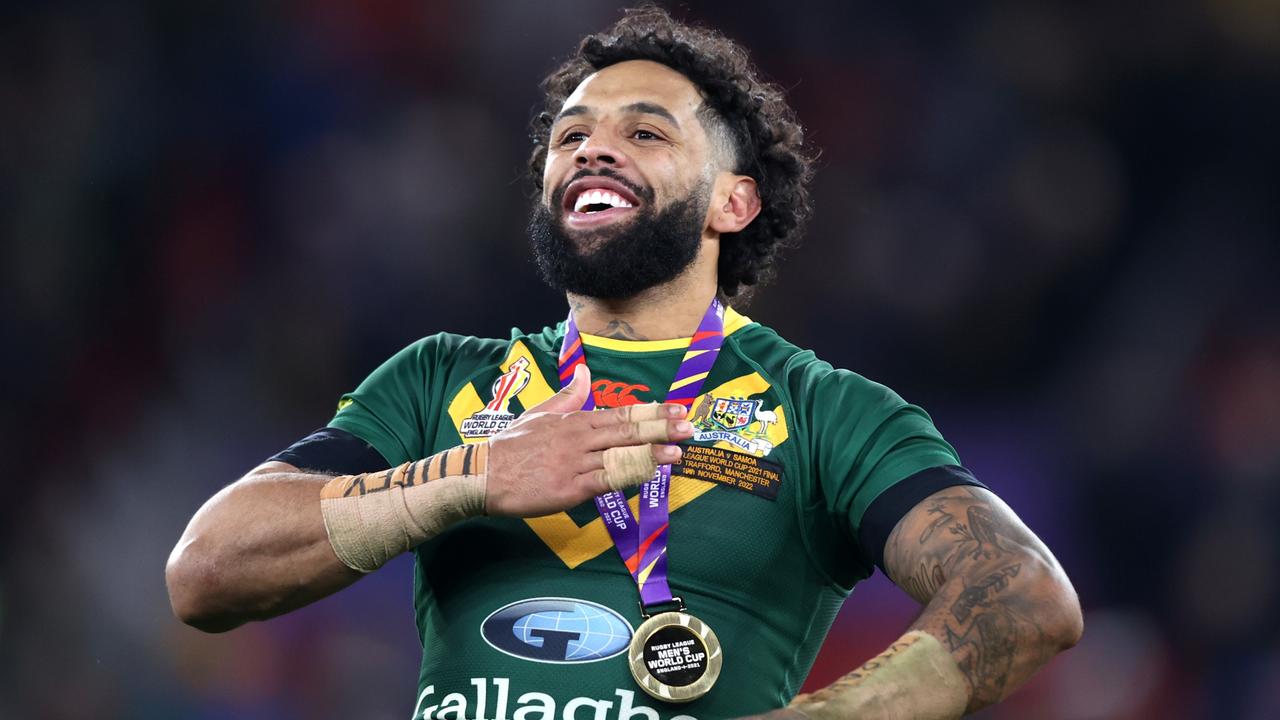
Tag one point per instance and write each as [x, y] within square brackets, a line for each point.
[675, 657]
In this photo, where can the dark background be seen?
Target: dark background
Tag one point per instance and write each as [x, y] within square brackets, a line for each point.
[1052, 224]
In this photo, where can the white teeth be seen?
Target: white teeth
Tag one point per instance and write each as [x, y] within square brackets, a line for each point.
[599, 197]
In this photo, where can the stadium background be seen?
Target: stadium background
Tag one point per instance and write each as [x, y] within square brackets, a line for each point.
[1052, 224]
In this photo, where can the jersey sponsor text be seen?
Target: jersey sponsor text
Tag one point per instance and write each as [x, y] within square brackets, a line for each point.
[491, 699]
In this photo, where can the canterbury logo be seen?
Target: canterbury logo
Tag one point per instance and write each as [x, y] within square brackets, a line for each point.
[610, 393]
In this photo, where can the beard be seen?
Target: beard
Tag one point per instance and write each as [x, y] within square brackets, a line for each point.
[624, 259]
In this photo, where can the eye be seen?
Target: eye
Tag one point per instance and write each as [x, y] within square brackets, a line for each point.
[575, 136]
[645, 135]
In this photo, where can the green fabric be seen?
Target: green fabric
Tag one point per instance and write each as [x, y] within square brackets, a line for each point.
[768, 576]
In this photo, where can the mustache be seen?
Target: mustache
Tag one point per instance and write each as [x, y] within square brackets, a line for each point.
[644, 193]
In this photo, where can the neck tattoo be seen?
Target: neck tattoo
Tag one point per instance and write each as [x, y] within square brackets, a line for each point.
[621, 330]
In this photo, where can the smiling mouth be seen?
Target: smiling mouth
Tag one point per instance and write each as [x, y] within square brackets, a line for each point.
[594, 201]
[598, 204]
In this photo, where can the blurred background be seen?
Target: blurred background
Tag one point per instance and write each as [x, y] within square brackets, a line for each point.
[1053, 224]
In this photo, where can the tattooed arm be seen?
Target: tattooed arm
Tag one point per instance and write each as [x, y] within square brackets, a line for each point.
[997, 607]
[993, 593]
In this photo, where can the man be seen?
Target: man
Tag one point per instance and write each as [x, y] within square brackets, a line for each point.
[669, 175]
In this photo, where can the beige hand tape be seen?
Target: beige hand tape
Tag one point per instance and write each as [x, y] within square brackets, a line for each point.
[915, 678]
[628, 466]
[652, 431]
[644, 411]
[373, 517]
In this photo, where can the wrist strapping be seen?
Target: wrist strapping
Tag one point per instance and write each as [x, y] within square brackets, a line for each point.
[916, 678]
[372, 517]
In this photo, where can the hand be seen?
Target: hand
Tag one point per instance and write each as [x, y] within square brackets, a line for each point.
[556, 456]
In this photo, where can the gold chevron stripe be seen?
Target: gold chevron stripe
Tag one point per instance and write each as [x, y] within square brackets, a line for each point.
[690, 380]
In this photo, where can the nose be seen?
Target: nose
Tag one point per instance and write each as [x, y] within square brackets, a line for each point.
[597, 150]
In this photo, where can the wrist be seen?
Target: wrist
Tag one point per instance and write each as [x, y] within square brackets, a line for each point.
[372, 517]
[916, 677]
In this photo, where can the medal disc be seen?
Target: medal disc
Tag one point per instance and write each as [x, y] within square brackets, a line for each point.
[675, 657]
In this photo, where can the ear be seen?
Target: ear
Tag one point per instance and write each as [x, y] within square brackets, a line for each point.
[734, 204]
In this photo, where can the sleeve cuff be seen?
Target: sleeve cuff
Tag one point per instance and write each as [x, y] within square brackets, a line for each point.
[333, 450]
[897, 500]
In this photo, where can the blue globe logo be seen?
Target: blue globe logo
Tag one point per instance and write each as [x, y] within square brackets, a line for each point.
[557, 630]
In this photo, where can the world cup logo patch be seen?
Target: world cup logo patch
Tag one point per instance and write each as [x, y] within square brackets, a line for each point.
[495, 417]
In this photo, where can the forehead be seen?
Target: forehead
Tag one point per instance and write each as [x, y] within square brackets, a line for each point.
[637, 81]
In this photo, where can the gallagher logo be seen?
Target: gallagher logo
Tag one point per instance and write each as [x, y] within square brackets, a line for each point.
[611, 394]
[557, 630]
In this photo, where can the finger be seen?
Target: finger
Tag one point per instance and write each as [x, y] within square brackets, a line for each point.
[666, 454]
[631, 465]
[637, 413]
[591, 462]
[628, 466]
[636, 433]
[570, 398]
[662, 455]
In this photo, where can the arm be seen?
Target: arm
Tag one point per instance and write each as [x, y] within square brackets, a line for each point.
[997, 607]
[993, 593]
[256, 549]
[272, 541]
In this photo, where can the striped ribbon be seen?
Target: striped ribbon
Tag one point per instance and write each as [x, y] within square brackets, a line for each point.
[643, 544]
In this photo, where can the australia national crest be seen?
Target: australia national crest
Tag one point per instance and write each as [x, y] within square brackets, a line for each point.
[733, 414]
[495, 417]
[737, 421]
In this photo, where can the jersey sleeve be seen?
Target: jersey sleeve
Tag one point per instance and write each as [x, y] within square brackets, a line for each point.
[387, 409]
[864, 440]
[331, 450]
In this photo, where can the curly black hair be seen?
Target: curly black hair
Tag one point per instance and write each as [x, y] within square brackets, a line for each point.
[767, 140]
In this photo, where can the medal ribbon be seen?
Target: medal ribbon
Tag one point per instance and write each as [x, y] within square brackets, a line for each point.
[643, 544]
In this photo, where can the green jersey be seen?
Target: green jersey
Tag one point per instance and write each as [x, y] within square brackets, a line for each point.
[529, 619]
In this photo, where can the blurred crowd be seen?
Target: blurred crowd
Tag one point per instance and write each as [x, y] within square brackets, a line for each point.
[1054, 225]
